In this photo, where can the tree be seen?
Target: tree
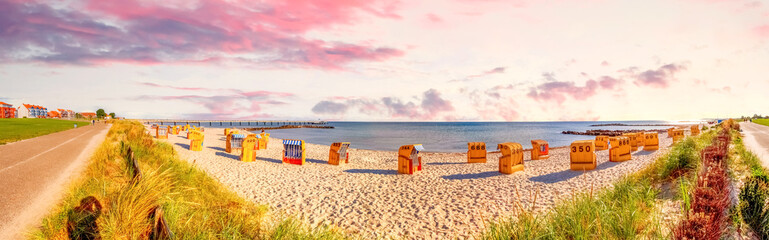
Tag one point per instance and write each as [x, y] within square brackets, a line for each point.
[100, 113]
[78, 115]
[112, 115]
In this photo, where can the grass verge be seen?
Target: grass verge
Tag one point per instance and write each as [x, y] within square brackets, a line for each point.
[16, 129]
[753, 209]
[764, 121]
[195, 205]
[623, 211]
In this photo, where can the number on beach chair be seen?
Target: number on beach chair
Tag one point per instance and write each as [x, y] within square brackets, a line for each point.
[582, 155]
[652, 141]
[248, 154]
[337, 152]
[620, 149]
[196, 140]
[511, 159]
[409, 161]
[601, 143]
[633, 137]
[476, 152]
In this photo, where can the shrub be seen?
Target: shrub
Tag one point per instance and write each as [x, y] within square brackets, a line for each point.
[682, 158]
[753, 205]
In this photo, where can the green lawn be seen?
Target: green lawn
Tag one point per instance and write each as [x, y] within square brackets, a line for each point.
[764, 122]
[15, 129]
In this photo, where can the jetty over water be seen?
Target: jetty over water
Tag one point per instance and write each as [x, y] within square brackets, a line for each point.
[228, 123]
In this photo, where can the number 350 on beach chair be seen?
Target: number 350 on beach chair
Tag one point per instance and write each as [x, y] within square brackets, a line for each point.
[582, 155]
[409, 161]
[293, 151]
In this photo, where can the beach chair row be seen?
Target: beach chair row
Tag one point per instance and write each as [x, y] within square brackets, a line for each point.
[582, 153]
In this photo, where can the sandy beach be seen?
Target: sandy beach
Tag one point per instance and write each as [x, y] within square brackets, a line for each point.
[449, 198]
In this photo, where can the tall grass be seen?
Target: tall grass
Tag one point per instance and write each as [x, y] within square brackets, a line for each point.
[623, 211]
[195, 205]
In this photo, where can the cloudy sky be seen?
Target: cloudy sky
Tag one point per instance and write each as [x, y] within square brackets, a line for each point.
[451, 60]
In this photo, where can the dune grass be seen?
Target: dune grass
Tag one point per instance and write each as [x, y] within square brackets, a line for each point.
[194, 205]
[16, 129]
[624, 211]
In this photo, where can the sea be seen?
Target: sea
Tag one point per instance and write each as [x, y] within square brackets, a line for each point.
[451, 136]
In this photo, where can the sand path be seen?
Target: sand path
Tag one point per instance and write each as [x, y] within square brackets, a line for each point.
[448, 199]
[34, 172]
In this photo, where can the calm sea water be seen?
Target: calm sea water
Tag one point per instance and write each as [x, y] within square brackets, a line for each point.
[448, 136]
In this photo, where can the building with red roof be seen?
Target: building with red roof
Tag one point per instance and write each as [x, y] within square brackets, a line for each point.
[7, 110]
[32, 111]
[54, 114]
[88, 114]
[66, 113]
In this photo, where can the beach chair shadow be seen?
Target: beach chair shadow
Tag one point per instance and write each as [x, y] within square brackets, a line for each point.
[472, 175]
[269, 160]
[185, 146]
[217, 148]
[315, 161]
[556, 176]
[606, 165]
[228, 155]
[445, 163]
[643, 153]
[373, 171]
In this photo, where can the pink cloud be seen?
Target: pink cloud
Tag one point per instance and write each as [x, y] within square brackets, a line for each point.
[607, 82]
[762, 31]
[248, 94]
[431, 107]
[496, 70]
[232, 105]
[659, 78]
[171, 87]
[557, 91]
[434, 18]
[139, 32]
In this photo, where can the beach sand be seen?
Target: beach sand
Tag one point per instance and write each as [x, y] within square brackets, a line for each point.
[449, 198]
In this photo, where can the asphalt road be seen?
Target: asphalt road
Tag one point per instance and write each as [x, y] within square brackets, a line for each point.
[757, 140]
[34, 173]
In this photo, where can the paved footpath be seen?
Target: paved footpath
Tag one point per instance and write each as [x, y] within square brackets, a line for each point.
[757, 140]
[35, 172]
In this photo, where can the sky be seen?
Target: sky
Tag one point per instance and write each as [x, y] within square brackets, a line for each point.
[351, 60]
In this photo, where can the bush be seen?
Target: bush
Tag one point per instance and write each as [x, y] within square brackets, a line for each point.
[753, 205]
[682, 158]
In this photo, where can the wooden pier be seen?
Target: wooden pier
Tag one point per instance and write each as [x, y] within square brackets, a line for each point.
[231, 123]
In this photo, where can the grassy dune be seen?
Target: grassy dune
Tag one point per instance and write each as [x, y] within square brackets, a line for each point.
[624, 211]
[15, 129]
[195, 205]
